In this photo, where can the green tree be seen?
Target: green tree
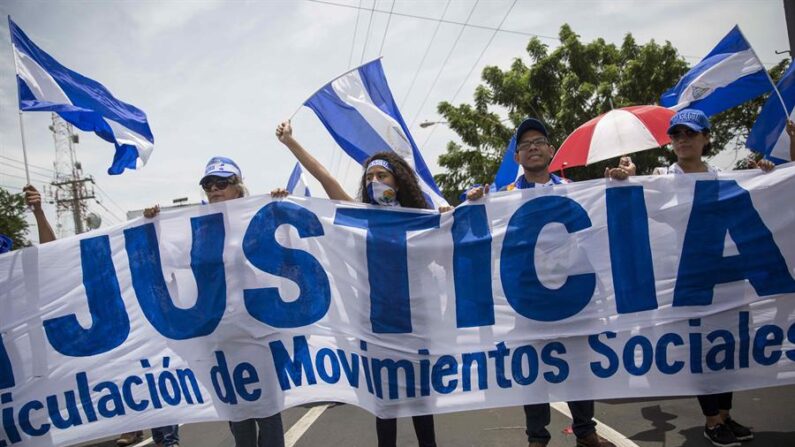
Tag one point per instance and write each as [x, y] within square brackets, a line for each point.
[565, 88]
[12, 218]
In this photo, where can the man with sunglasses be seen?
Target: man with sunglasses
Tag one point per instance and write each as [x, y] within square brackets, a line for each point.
[534, 153]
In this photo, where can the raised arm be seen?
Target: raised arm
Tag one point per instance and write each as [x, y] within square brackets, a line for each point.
[284, 132]
[33, 199]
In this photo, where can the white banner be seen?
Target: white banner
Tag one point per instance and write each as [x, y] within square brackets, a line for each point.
[669, 285]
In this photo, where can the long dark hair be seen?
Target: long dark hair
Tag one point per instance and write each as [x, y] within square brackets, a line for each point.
[409, 194]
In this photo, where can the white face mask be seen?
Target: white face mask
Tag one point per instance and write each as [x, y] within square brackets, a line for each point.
[382, 194]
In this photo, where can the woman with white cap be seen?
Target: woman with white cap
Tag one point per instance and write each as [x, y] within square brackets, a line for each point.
[222, 181]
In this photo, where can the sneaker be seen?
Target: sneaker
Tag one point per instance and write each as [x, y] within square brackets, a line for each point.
[537, 444]
[721, 436]
[130, 438]
[594, 440]
[741, 432]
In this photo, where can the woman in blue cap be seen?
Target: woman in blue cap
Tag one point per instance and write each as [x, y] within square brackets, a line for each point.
[387, 180]
[222, 181]
[690, 140]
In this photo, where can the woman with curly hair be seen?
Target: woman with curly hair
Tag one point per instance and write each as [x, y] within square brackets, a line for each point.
[387, 180]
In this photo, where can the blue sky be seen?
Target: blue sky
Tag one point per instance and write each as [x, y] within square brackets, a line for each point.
[216, 77]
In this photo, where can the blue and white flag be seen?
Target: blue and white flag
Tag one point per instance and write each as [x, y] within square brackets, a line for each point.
[358, 110]
[46, 85]
[769, 134]
[728, 76]
[296, 185]
[509, 168]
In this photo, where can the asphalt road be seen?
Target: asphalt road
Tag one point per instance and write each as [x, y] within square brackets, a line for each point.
[668, 422]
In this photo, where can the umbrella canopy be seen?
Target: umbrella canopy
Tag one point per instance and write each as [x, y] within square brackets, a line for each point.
[617, 132]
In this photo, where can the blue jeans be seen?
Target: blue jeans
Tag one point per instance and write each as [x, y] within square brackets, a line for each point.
[168, 435]
[538, 417]
[271, 433]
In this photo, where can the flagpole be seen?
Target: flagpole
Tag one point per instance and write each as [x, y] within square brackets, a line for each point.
[329, 82]
[24, 149]
[21, 121]
[769, 78]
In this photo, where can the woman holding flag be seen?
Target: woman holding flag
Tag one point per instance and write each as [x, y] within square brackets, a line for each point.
[387, 180]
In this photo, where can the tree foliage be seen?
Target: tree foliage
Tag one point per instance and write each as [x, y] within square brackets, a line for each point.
[12, 218]
[566, 87]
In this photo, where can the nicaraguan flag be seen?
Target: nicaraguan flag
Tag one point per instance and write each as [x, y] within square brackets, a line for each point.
[769, 134]
[728, 76]
[296, 185]
[509, 168]
[47, 86]
[358, 110]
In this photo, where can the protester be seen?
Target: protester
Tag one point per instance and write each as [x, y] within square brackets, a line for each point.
[223, 181]
[534, 153]
[690, 140]
[33, 200]
[387, 180]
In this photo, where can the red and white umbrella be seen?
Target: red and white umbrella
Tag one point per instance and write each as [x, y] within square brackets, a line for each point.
[617, 132]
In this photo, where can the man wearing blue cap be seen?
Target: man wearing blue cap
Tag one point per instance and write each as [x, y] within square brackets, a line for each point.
[534, 153]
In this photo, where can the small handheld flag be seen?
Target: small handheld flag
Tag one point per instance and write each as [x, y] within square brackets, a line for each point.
[296, 185]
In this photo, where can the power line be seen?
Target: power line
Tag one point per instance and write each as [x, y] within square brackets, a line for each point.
[452, 22]
[469, 73]
[388, 20]
[112, 214]
[30, 165]
[335, 157]
[488, 44]
[22, 168]
[355, 29]
[427, 50]
[367, 33]
[107, 196]
[441, 69]
[6, 174]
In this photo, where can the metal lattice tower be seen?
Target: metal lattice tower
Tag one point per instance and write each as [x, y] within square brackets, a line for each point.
[70, 190]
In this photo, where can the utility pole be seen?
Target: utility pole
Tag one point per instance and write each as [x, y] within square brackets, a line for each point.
[789, 15]
[70, 190]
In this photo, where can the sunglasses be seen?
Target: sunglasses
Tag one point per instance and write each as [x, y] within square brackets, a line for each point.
[679, 133]
[220, 183]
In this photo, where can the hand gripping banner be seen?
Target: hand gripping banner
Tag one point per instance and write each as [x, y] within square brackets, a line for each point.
[669, 285]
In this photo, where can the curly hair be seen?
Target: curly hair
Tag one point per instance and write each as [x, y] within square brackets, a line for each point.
[409, 194]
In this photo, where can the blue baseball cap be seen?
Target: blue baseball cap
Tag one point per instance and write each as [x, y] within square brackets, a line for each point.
[692, 118]
[530, 124]
[6, 244]
[221, 167]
